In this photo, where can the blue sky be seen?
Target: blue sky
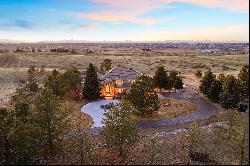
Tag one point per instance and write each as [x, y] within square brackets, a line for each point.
[119, 20]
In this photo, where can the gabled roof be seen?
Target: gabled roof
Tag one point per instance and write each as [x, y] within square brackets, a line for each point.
[121, 73]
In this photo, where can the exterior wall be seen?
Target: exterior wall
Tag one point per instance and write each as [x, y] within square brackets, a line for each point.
[112, 91]
[116, 89]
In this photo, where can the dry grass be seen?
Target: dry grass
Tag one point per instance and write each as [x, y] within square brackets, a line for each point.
[78, 117]
[14, 66]
[176, 109]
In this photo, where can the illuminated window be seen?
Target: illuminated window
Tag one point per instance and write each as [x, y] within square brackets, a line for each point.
[108, 90]
[120, 90]
[119, 82]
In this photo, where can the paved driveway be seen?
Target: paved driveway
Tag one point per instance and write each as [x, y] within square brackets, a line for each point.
[204, 110]
[96, 112]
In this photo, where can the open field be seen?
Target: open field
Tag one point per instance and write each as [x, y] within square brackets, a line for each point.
[13, 66]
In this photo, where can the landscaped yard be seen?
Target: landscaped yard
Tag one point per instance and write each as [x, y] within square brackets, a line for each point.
[170, 108]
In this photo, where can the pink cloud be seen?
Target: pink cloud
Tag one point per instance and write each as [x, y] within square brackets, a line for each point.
[116, 17]
[87, 26]
[232, 5]
[120, 11]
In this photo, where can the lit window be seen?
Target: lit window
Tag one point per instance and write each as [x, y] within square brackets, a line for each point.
[119, 82]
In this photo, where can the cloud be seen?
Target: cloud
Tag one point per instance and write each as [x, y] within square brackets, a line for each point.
[231, 5]
[87, 26]
[132, 11]
[116, 18]
[122, 11]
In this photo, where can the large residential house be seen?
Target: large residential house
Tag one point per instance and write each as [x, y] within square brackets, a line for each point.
[117, 81]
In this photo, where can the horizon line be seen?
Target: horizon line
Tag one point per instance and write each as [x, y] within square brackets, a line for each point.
[10, 41]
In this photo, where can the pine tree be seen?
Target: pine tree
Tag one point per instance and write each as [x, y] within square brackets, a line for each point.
[54, 81]
[143, 97]
[91, 88]
[172, 77]
[215, 90]
[222, 78]
[178, 84]
[51, 122]
[230, 95]
[32, 84]
[71, 78]
[161, 78]
[120, 131]
[206, 82]
[6, 131]
[243, 77]
[20, 102]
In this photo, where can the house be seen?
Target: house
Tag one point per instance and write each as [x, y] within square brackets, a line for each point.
[117, 81]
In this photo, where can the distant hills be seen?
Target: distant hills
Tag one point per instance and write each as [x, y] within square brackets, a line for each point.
[126, 41]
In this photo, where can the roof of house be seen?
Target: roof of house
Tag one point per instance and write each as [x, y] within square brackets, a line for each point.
[121, 73]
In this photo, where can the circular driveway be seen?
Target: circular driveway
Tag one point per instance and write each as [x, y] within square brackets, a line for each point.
[96, 112]
[204, 110]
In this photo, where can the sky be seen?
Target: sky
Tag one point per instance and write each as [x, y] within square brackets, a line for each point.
[121, 20]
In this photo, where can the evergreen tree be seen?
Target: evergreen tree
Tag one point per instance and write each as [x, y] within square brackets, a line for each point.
[215, 90]
[20, 102]
[172, 77]
[143, 97]
[71, 78]
[222, 78]
[106, 65]
[243, 77]
[206, 82]
[230, 95]
[91, 88]
[32, 84]
[161, 78]
[17, 139]
[6, 128]
[120, 131]
[178, 84]
[54, 81]
[51, 121]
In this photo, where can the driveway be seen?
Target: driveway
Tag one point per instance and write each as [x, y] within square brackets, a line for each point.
[204, 110]
[96, 112]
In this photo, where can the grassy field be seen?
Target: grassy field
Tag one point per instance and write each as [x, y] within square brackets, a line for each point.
[13, 66]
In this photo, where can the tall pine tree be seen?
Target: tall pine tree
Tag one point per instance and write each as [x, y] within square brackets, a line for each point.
[161, 78]
[215, 90]
[230, 95]
[143, 97]
[120, 131]
[91, 87]
[206, 82]
[243, 77]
